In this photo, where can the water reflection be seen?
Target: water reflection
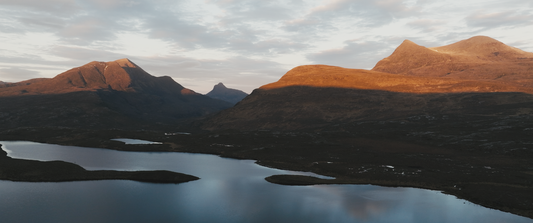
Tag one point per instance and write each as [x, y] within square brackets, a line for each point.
[229, 191]
[135, 141]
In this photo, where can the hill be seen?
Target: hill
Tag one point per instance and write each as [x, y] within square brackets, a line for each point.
[116, 94]
[223, 93]
[407, 83]
[477, 58]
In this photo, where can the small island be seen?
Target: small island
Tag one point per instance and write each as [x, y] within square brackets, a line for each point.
[59, 171]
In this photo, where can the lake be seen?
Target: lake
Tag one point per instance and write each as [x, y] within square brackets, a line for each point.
[229, 191]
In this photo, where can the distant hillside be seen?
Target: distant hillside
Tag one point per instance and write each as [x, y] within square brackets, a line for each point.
[223, 93]
[114, 94]
[407, 83]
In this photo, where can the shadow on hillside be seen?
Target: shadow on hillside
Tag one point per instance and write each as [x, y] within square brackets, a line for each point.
[298, 107]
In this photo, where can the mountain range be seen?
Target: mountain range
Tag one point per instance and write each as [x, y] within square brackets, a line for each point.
[116, 94]
[478, 76]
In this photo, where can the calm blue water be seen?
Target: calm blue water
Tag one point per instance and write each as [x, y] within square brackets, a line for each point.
[228, 191]
[135, 141]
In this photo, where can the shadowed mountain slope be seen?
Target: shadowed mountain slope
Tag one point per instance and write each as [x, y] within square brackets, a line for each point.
[102, 94]
[223, 93]
[318, 95]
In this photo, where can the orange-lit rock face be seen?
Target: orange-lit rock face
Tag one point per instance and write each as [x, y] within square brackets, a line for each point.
[119, 75]
[479, 64]
[454, 80]
[330, 76]
[479, 58]
[186, 91]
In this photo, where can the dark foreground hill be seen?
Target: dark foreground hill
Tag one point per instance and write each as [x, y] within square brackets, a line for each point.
[226, 94]
[117, 94]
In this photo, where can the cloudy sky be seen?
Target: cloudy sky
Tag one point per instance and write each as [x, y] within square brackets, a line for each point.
[242, 43]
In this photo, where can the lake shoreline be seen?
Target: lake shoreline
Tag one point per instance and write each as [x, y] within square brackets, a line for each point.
[486, 180]
[21, 170]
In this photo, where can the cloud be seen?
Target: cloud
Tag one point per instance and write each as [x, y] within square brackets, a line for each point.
[85, 30]
[185, 34]
[49, 6]
[79, 22]
[43, 23]
[15, 74]
[84, 54]
[244, 73]
[255, 10]
[236, 41]
[427, 25]
[488, 20]
[369, 12]
[355, 54]
[267, 47]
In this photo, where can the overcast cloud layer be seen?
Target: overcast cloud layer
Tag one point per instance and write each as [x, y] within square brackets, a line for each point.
[242, 43]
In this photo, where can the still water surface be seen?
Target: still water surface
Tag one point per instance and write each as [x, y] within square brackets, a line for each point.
[228, 191]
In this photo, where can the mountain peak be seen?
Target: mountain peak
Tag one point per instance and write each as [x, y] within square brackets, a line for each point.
[407, 56]
[125, 62]
[408, 45]
[118, 75]
[484, 48]
[482, 39]
[223, 93]
[220, 86]
[479, 57]
[407, 42]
